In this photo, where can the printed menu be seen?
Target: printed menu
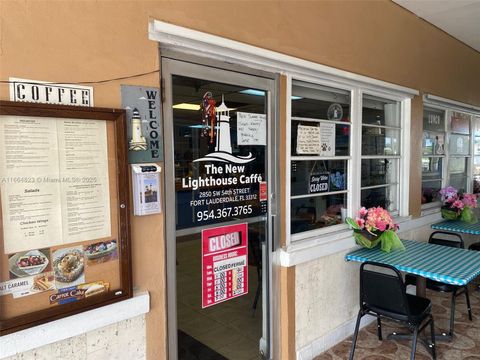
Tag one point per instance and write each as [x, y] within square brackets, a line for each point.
[53, 181]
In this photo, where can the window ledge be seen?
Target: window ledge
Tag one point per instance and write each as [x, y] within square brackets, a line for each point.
[318, 246]
[74, 325]
[315, 247]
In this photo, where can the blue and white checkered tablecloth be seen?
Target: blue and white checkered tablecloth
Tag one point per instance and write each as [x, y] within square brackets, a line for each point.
[441, 263]
[458, 226]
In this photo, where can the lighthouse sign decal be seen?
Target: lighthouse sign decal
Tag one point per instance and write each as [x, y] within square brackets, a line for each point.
[223, 184]
[216, 122]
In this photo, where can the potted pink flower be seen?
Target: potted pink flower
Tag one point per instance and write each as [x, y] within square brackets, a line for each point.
[458, 205]
[375, 226]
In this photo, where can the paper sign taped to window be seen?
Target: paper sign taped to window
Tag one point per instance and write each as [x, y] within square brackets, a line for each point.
[308, 139]
[327, 139]
[251, 129]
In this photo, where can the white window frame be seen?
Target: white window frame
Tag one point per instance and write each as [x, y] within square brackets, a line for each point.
[202, 44]
[328, 234]
[449, 106]
[435, 205]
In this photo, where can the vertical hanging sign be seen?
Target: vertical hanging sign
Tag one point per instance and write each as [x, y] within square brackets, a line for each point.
[224, 263]
[144, 130]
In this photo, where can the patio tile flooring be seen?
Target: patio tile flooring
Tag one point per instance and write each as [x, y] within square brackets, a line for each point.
[464, 346]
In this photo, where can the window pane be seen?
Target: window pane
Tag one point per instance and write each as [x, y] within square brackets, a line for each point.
[385, 197]
[458, 166]
[476, 165]
[333, 173]
[433, 143]
[476, 184]
[320, 102]
[460, 123]
[378, 111]
[316, 212]
[432, 168]
[459, 181]
[380, 141]
[434, 120]
[338, 143]
[459, 145]
[430, 191]
[379, 171]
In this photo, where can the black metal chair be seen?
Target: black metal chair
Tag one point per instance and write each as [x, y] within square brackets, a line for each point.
[475, 247]
[453, 240]
[383, 295]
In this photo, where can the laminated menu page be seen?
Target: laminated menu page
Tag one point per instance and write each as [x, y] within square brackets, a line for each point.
[54, 185]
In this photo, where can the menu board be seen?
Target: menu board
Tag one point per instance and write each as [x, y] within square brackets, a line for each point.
[63, 203]
[54, 185]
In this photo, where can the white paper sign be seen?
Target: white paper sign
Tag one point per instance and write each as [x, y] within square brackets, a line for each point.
[251, 129]
[308, 139]
[146, 189]
[327, 139]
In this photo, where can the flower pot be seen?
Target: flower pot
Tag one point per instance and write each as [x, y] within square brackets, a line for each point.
[449, 214]
[388, 240]
[468, 215]
[366, 239]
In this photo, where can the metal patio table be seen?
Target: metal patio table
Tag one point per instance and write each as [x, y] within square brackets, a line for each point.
[429, 261]
[458, 226]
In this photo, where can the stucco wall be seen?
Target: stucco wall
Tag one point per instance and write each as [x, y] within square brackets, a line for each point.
[120, 341]
[84, 41]
[326, 296]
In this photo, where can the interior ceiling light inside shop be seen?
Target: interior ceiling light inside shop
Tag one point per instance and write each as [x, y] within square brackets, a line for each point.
[186, 106]
[262, 93]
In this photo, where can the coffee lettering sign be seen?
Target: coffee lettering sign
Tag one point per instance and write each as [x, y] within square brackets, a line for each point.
[33, 91]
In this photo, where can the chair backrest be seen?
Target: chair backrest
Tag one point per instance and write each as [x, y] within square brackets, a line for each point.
[383, 290]
[446, 239]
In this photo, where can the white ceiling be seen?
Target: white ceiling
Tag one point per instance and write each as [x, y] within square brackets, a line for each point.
[459, 18]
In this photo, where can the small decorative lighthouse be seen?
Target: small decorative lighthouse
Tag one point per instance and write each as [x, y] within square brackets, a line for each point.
[138, 142]
[224, 143]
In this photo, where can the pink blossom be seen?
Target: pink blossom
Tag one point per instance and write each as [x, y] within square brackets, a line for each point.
[470, 200]
[458, 204]
[362, 212]
[360, 222]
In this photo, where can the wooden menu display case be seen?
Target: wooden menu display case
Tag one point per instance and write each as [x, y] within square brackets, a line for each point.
[64, 214]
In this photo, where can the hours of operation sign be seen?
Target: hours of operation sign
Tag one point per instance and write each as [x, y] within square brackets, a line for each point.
[224, 263]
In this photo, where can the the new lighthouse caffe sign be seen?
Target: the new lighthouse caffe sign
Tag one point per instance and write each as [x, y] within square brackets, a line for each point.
[227, 186]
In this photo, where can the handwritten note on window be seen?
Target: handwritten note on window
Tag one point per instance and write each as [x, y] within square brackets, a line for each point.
[327, 139]
[251, 129]
[308, 139]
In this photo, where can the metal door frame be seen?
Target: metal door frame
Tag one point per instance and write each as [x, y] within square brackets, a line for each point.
[205, 68]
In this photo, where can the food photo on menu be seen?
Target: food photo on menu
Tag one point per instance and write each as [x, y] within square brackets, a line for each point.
[28, 263]
[68, 265]
[101, 252]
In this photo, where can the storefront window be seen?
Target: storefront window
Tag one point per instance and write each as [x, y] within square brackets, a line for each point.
[459, 150]
[433, 154]
[476, 155]
[381, 141]
[320, 154]
[447, 157]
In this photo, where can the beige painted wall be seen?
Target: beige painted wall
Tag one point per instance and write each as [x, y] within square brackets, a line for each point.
[79, 41]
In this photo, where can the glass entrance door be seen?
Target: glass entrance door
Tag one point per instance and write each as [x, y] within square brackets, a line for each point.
[218, 185]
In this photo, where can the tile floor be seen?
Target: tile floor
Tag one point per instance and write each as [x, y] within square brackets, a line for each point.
[229, 328]
[464, 346]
